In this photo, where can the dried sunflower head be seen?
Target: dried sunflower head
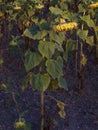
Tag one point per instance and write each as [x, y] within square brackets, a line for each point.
[20, 124]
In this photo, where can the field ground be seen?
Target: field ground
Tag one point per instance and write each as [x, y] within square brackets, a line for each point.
[81, 109]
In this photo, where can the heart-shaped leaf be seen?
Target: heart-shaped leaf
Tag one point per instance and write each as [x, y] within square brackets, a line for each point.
[32, 59]
[46, 49]
[54, 67]
[82, 34]
[40, 82]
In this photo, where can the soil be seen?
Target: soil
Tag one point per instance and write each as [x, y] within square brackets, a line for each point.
[81, 108]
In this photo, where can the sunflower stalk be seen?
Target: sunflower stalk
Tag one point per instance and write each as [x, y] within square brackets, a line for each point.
[42, 110]
[80, 75]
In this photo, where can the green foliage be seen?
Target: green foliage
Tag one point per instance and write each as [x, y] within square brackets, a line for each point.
[1, 61]
[32, 59]
[40, 82]
[54, 67]
[62, 83]
[36, 23]
[88, 20]
[47, 49]
[90, 40]
[57, 37]
[44, 65]
[82, 34]
[56, 11]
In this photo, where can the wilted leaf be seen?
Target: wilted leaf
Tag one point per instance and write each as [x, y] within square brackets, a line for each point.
[62, 114]
[53, 85]
[83, 60]
[60, 105]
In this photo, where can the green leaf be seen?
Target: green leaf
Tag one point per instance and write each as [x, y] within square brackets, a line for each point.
[40, 35]
[70, 46]
[62, 83]
[32, 59]
[59, 47]
[67, 15]
[1, 61]
[55, 10]
[46, 48]
[54, 67]
[30, 12]
[57, 37]
[96, 32]
[28, 127]
[40, 82]
[44, 25]
[63, 5]
[88, 20]
[90, 40]
[81, 8]
[82, 34]
[30, 32]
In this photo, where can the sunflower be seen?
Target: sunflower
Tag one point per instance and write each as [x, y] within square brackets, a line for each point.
[39, 6]
[93, 6]
[65, 27]
[17, 8]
